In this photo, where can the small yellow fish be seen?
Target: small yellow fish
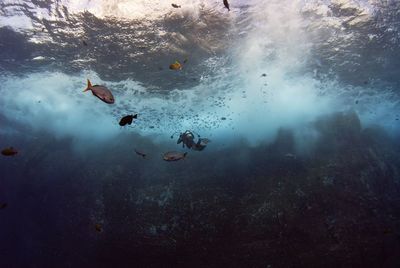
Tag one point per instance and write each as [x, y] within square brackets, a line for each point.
[176, 66]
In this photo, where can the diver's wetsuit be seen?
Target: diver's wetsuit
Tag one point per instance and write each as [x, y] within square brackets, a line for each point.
[199, 146]
[187, 138]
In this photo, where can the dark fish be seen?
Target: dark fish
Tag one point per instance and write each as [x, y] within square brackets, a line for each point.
[3, 205]
[84, 43]
[175, 6]
[10, 151]
[98, 227]
[174, 156]
[100, 92]
[127, 120]
[226, 4]
[264, 75]
[140, 153]
[185, 60]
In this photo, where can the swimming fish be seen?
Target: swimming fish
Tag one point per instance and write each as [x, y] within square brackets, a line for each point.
[175, 6]
[10, 151]
[84, 43]
[140, 153]
[98, 227]
[100, 92]
[176, 66]
[3, 205]
[127, 120]
[174, 156]
[226, 4]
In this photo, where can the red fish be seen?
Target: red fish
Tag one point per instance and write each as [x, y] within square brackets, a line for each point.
[101, 92]
[9, 151]
[174, 156]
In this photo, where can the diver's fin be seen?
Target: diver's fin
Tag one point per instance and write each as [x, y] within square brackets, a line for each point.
[135, 116]
[89, 85]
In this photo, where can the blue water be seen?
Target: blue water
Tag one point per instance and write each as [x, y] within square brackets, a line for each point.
[300, 101]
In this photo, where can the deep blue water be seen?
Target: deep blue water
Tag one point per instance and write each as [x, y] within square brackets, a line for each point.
[300, 100]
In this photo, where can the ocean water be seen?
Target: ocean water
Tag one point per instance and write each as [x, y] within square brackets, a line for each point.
[300, 101]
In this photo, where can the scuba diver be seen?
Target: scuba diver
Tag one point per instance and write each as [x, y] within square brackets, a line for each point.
[187, 138]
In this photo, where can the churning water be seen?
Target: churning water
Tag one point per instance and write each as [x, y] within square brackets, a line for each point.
[300, 100]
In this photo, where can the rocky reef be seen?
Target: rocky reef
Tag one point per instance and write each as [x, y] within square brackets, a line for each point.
[335, 204]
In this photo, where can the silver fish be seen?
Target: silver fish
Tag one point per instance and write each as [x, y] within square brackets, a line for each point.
[100, 92]
[174, 156]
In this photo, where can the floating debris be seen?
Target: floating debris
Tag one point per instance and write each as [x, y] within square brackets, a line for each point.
[10, 151]
[128, 119]
[101, 92]
[226, 4]
[174, 156]
[140, 153]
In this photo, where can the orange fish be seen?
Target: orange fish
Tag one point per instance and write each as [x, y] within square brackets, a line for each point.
[176, 66]
[9, 151]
